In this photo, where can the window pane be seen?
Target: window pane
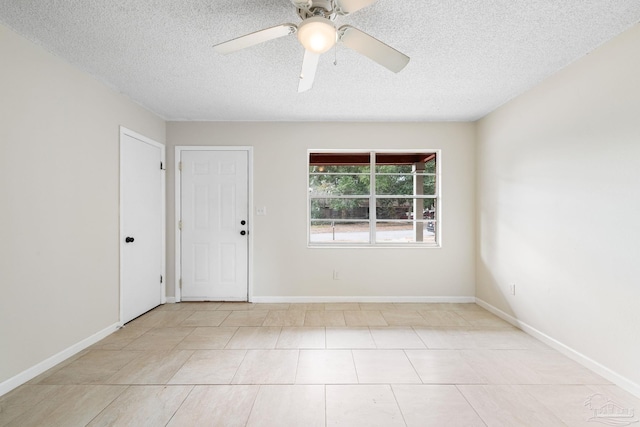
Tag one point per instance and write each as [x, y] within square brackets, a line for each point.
[339, 208]
[403, 208]
[430, 210]
[339, 232]
[352, 169]
[405, 232]
[429, 185]
[394, 208]
[430, 165]
[338, 185]
[400, 185]
[405, 162]
[404, 169]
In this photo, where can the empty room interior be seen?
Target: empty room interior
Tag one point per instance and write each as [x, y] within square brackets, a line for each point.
[430, 220]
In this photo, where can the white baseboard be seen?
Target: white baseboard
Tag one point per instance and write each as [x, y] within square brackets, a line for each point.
[585, 361]
[34, 371]
[171, 300]
[334, 299]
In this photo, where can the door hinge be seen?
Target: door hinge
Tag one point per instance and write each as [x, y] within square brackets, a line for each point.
[161, 278]
[180, 283]
[179, 166]
[180, 225]
[162, 166]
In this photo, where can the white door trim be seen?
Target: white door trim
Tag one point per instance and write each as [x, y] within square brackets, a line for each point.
[178, 213]
[163, 293]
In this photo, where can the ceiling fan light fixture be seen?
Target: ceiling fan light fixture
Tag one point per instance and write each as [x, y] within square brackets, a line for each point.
[317, 34]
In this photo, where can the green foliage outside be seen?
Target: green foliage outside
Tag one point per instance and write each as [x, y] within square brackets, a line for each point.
[334, 181]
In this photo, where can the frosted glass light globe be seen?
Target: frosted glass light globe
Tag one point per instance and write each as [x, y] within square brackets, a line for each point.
[317, 34]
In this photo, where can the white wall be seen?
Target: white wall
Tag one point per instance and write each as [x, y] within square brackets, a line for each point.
[285, 267]
[59, 179]
[559, 207]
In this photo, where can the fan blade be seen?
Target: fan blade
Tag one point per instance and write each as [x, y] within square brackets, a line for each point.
[255, 38]
[309, 67]
[373, 48]
[350, 6]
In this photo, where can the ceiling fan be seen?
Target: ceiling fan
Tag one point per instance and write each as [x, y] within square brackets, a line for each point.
[317, 33]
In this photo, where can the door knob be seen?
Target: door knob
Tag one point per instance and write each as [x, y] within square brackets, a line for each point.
[129, 239]
[242, 233]
[243, 222]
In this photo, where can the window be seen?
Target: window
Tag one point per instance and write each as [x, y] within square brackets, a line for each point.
[374, 198]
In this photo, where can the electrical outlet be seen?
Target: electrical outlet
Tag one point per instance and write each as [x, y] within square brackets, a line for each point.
[336, 276]
[261, 211]
[512, 289]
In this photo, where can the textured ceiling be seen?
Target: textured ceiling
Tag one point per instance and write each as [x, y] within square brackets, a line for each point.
[468, 57]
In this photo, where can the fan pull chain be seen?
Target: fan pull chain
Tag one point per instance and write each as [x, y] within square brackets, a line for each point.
[335, 54]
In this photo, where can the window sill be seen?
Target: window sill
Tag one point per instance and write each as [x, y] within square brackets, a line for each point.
[376, 246]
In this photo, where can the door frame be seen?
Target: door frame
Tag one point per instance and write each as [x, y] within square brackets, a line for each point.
[178, 211]
[163, 216]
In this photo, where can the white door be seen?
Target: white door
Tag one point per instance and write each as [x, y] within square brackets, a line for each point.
[141, 225]
[214, 225]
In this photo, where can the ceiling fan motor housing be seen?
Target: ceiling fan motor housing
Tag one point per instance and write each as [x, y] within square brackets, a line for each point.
[323, 4]
[324, 8]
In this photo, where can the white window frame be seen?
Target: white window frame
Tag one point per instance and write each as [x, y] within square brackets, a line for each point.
[372, 201]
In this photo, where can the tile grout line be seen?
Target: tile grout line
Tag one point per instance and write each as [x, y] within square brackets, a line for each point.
[413, 328]
[325, 406]
[238, 368]
[393, 392]
[404, 350]
[253, 405]
[295, 376]
[355, 368]
[110, 403]
[469, 403]
[193, 387]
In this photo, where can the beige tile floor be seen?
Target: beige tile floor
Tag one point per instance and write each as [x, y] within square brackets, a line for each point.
[239, 364]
